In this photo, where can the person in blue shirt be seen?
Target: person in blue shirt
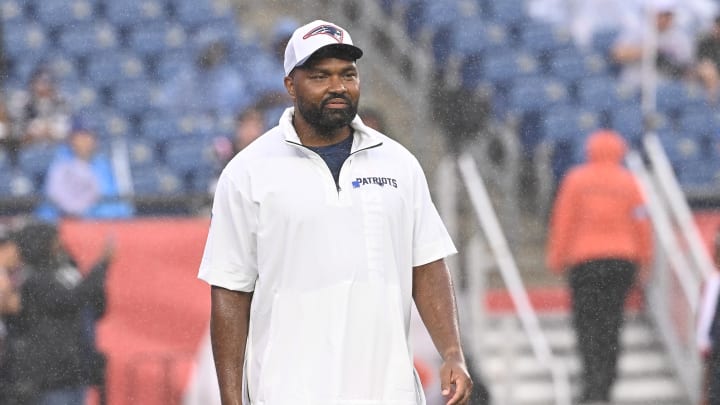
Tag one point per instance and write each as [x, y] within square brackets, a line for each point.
[80, 182]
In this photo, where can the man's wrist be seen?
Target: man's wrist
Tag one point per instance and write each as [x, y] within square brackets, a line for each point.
[453, 354]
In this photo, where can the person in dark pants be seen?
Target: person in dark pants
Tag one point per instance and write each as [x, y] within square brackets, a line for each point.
[51, 356]
[601, 236]
[708, 330]
[599, 290]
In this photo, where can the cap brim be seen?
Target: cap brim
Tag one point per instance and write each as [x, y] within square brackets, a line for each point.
[340, 51]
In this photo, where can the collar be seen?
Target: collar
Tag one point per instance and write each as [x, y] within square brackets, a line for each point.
[364, 137]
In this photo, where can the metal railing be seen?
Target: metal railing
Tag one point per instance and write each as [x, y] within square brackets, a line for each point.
[511, 276]
[681, 265]
[500, 255]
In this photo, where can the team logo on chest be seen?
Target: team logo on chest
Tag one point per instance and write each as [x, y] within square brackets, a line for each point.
[379, 181]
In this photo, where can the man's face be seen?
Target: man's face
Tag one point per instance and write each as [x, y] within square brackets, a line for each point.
[9, 255]
[664, 21]
[326, 93]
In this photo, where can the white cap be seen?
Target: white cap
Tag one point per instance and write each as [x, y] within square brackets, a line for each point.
[309, 38]
[664, 6]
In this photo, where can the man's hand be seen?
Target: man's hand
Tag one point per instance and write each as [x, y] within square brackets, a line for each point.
[455, 382]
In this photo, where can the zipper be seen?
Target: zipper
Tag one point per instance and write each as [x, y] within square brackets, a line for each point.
[316, 156]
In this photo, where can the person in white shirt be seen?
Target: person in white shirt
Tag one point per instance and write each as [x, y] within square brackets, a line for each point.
[675, 53]
[323, 234]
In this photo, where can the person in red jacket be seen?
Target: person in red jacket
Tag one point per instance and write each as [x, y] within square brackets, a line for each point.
[601, 236]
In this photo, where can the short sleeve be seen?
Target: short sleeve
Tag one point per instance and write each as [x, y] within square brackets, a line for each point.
[431, 240]
[230, 256]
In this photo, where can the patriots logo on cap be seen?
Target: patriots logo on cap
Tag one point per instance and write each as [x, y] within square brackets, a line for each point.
[325, 29]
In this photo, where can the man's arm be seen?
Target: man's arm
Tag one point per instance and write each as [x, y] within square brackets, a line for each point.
[435, 301]
[229, 322]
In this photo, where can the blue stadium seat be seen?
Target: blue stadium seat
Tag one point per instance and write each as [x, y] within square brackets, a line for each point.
[473, 35]
[698, 175]
[628, 121]
[16, 184]
[171, 63]
[84, 39]
[541, 37]
[192, 13]
[603, 40]
[105, 122]
[109, 68]
[82, 96]
[156, 38]
[21, 69]
[680, 147]
[190, 154]
[136, 97]
[12, 11]
[673, 96]
[536, 93]
[224, 30]
[34, 160]
[63, 67]
[23, 39]
[414, 19]
[129, 12]
[567, 122]
[156, 180]
[266, 74]
[507, 11]
[571, 64]
[201, 180]
[440, 13]
[58, 13]
[5, 163]
[509, 65]
[160, 127]
[142, 153]
[698, 121]
[604, 93]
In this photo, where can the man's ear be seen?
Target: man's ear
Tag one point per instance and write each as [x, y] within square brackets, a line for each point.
[290, 86]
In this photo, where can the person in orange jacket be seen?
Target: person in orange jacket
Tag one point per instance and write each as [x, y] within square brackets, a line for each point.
[601, 236]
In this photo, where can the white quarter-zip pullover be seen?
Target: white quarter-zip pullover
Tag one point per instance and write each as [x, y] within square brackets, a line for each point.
[330, 266]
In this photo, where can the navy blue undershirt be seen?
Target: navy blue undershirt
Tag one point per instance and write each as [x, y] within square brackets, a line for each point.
[335, 155]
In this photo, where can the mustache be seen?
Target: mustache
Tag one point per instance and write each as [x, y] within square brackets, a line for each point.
[335, 96]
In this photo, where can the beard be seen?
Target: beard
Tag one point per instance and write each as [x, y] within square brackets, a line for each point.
[326, 120]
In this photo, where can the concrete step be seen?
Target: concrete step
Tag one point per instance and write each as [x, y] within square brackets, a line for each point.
[641, 391]
[516, 377]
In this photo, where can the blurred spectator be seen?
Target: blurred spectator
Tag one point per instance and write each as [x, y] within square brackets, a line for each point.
[42, 115]
[9, 263]
[249, 125]
[674, 47]
[80, 182]
[374, 119]
[601, 237]
[708, 56]
[9, 297]
[274, 99]
[708, 330]
[49, 359]
[462, 112]
[210, 86]
[7, 141]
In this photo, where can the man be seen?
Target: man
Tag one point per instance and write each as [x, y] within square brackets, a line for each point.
[708, 56]
[323, 232]
[601, 236]
[674, 47]
[80, 182]
[51, 358]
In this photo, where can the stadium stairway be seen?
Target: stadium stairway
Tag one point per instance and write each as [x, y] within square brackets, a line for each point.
[516, 377]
